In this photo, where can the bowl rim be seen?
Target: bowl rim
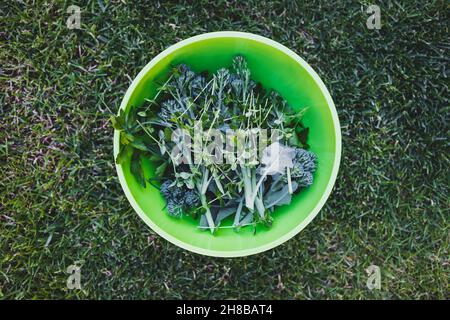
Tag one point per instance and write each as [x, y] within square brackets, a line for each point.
[334, 172]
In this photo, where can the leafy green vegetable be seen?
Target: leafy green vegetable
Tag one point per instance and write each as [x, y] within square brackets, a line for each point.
[245, 186]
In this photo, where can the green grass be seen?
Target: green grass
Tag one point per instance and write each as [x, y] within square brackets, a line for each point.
[61, 202]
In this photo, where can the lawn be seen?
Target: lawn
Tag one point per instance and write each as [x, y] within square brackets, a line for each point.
[61, 202]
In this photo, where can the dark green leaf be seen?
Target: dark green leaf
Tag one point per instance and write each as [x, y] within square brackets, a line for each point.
[118, 122]
[126, 138]
[139, 144]
[136, 168]
[130, 119]
[302, 134]
[122, 155]
[155, 157]
[159, 172]
[167, 134]
[295, 141]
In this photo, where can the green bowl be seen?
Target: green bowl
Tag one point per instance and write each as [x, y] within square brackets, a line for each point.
[277, 67]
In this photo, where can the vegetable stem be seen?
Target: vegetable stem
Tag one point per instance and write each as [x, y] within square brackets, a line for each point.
[237, 217]
[208, 215]
[288, 171]
[248, 190]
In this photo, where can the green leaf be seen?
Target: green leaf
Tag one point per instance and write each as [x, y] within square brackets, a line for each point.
[168, 134]
[136, 168]
[130, 118]
[184, 175]
[118, 122]
[281, 197]
[126, 138]
[139, 144]
[302, 134]
[189, 183]
[295, 141]
[159, 172]
[122, 155]
[155, 157]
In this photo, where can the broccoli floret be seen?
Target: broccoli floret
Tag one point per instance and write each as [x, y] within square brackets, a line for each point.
[169, 109]
[174, 209]
[196, 85]
[191, 199]
[240, 67]
[187, 83]
[222, 77]
[185, 77]
[178, 199]
[236, 85]
[166, 189]
[304, 167]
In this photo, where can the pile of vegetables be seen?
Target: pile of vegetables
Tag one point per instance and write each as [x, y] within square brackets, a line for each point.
[223, 146]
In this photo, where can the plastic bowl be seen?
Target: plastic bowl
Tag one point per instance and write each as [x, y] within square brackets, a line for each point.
[277, 67]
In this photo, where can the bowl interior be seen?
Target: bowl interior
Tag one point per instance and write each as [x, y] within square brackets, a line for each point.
[275, 69]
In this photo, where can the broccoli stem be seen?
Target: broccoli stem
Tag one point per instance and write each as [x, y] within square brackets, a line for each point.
[205, 181]
[208, 213]
[255, 191]
[260, 206]
[261, 180]
[237, 217]
[251, 191]
[248, 190]
[218, 183]
[289, 181]
[202, 187]
[258, 200]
